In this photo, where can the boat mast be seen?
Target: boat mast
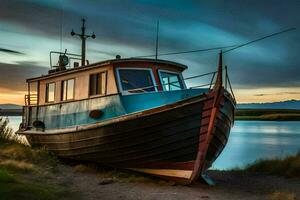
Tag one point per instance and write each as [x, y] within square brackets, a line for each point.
[156, 43]
[83, 38]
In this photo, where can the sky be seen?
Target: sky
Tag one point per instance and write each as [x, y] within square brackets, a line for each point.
[265, 71]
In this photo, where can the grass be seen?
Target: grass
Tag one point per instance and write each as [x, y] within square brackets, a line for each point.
[12, 187]
[282, 196]
[118, 175]
[25, 173]
[7, 134]
[288, 167]
[268, 114]
[271, 117]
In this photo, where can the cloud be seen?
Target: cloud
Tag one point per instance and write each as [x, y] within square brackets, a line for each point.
[129, 29]
[10, 51]
[13, 76]
[278, 93]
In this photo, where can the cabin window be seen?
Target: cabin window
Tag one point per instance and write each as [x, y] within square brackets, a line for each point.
[97, 84]
[50, 92]
[171, 81]
[136, 80]
[67, 89]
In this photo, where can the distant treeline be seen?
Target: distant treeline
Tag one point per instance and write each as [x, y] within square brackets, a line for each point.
[268, 114]
[10, 112]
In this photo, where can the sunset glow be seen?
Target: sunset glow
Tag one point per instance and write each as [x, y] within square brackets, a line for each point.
[265, 71]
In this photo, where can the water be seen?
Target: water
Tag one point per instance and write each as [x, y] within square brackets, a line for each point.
[14, 122]
[249, 141]
[253, 140]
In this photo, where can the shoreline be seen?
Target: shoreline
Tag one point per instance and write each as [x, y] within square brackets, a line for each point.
[267, 115]
[34, 170]
[229, 185]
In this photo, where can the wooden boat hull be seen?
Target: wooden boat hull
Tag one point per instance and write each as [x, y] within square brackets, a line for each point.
[179, 141]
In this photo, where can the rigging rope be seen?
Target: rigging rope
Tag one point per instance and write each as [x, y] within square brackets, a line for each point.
[191, 51]
[259, 39]
[233, 47]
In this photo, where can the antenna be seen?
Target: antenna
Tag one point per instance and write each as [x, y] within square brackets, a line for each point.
[156, 45]
[83, 38]
[61, 28]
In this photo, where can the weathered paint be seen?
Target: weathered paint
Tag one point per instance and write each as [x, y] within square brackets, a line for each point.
[77, 112]
[82, 74]
[81, 88]
[144, 101]
[162, 141]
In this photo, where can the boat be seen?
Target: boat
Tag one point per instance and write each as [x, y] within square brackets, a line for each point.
[131, 113]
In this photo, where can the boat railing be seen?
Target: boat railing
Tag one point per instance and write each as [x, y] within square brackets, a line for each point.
[31, 99]
[71, 58]
[209, 84]
[227, 84]
[174, 82]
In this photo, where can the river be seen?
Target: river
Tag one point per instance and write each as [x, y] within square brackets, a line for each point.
[249, 141]
[253, 140]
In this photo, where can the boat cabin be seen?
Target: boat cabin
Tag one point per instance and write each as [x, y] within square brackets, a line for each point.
[69, 97]
[119, 76]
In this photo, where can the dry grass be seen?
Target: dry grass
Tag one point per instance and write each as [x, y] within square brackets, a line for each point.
[20, 166]
[43, 160]
[118, 175]
[22, 169]
[268, 114]
[282, 196]
[125, 176]
[281, 117]
[7, 134]
[84, 169]
[288, 167]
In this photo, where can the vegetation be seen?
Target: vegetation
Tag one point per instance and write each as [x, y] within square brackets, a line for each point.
[108, 175]
[6, 133]
[268, 114]
[282, 196]
[10, 112]
[12, 187]
[25, 173]
[288, 167]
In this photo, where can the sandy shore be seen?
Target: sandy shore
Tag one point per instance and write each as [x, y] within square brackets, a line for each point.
[230, 185]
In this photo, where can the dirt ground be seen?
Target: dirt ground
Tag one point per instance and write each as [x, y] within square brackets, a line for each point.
[229, 185]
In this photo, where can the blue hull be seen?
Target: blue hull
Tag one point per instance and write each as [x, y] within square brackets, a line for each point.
[69, 114]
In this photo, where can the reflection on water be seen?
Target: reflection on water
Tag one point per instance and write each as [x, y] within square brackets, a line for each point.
[249, 141]
[253, 140]
[14, 122]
